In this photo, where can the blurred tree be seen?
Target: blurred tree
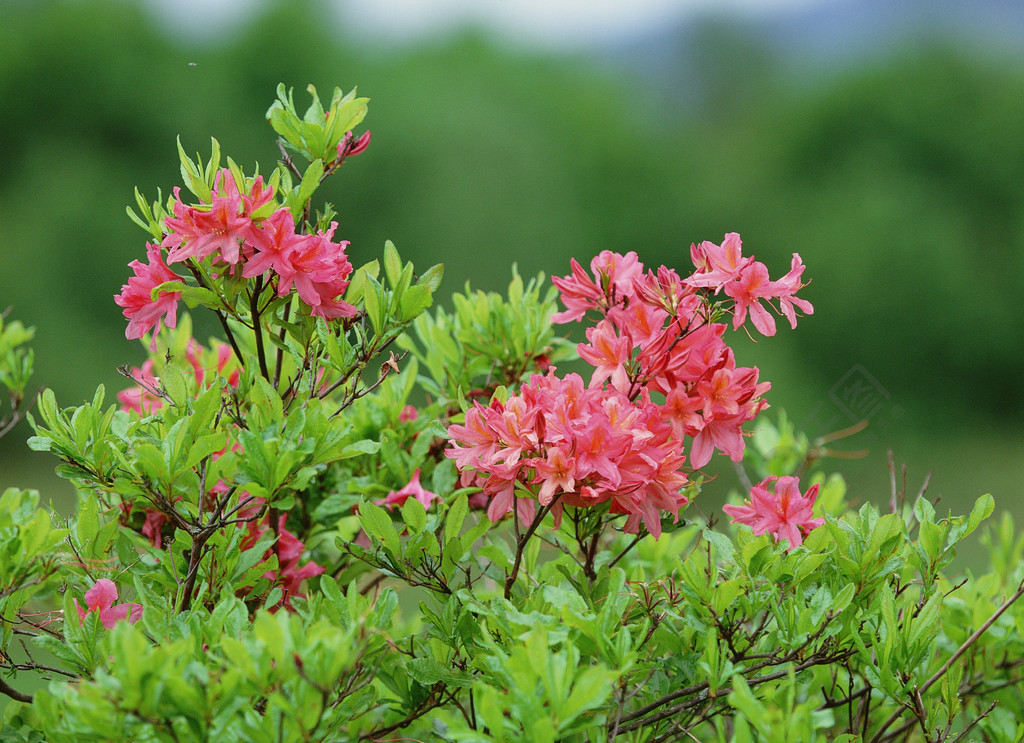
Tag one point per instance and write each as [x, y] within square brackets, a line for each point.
[899, 182]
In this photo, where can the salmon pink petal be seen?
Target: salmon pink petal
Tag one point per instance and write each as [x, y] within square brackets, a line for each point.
[102, 595]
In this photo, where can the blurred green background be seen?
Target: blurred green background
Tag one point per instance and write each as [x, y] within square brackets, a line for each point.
[897, 172]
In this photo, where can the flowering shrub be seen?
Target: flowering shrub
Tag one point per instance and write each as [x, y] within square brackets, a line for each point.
[357, 516]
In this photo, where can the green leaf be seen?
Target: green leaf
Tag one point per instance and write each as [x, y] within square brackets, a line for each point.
[39, 443]
[455, 517]
[203, 446]
[204, 410]
[358, 283]
[428, 672]
[414, 515]
[932, 538]
[926, 623]
[310, 182]
[431, 278]
[266, 400]
[590, 690]
[886, 529]
[197, 295]
[331, 590]
[88, 520]
[414, 301]
[392, 264]
[174, 385]
[726, 593]
[983, 508]
[372, 302]
[365, 446]
[376, 522]
[842, 599]
[722, 544]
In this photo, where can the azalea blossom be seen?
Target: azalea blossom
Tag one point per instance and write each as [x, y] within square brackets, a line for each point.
[784, 513]
[142, 311]
[350, 146]
[222, 228]
[663, 379]
[718, 264]
[790, 284]
[609, 353]
[609, 283]
[273, 244]
[289, 550]
[574, 446]
[747, 290]
[397, 498]
[100, 599]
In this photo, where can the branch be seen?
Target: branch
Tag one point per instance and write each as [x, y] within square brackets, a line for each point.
[878, 736]
[13, 693]
[510, 578]
[257, 327]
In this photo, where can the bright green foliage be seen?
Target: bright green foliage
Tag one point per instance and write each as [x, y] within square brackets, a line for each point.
[488, 340]
[15, 370]
[310, 570]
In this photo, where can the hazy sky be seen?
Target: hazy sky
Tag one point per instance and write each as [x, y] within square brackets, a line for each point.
[537, 22]
[541, 21]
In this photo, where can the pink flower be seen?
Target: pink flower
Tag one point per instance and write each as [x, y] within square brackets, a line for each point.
[785, 514]
[350, 146]
[582, 445]
[557, 474]
[718, 264]
[413, 490]
[752, 286]
[140, 399]
[788, 285]
[142, 311]
[609, 353]
[153, 526]
[612, 283]
[196, 232]
[289, 551]
[408, 414]
[100, 599]
[273, 242]
[319, 269]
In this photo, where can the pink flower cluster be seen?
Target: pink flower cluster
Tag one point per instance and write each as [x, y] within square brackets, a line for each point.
[662, 375]
[785, 513]
[289, 551]
[655, 335]
[724, 268]
[238, 230]
[589, 445]
[143, 312]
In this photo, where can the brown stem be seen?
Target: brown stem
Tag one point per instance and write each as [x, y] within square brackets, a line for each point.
[194, 559]
[280, 349]
[521, 540]
[257, 327]
[13, 693]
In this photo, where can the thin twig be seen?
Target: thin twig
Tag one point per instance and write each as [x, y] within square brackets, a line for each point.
[13, 693]
[953, 658]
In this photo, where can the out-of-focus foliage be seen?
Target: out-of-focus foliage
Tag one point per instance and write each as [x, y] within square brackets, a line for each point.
[899, 181]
